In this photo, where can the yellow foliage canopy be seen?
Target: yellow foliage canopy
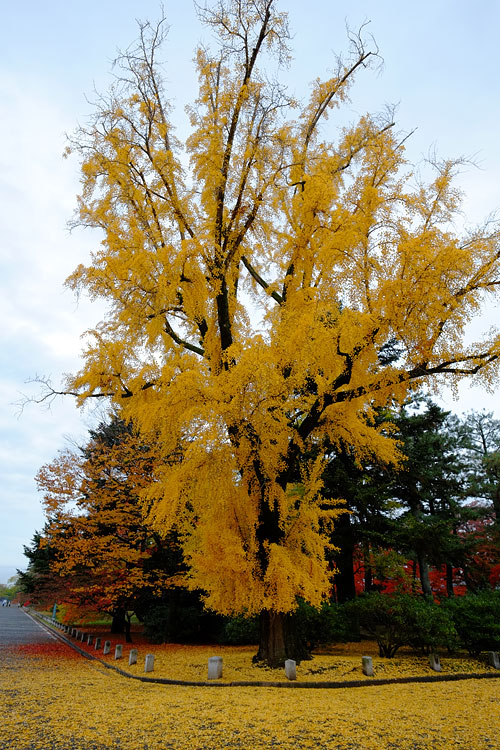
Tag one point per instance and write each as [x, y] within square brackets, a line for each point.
[255, 297]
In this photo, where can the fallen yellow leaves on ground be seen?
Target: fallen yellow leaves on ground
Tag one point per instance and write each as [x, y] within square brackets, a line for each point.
[53, 701]
[338, 663]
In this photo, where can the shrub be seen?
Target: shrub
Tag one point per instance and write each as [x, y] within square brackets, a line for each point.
[383, 618]
[401, 619]
[166, 623]
[477, 620]
[328, 624]
[312, 626]
[430, 626]
[240, 631]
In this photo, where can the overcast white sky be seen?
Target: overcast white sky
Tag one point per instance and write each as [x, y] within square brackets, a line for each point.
[441, 68]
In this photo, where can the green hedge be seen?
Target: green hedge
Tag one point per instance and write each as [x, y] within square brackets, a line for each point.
[477, 620]
[401, 619]
[393, 620]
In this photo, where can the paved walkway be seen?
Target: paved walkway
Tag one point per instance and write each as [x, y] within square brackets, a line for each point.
[17, 627]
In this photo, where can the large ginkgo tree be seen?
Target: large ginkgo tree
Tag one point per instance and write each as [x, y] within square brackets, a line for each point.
[270, 281]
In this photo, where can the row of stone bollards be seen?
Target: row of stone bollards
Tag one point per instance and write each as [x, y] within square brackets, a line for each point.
[215, 662]
[367, 663]
[215, 668]
[106, 649]
[96, 641]
[215, 665]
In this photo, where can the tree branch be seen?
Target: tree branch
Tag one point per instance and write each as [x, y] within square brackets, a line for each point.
[253, 273]
[185, 344]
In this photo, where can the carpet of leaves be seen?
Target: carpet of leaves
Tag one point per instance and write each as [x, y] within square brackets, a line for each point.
[51, 698]
[341, 663]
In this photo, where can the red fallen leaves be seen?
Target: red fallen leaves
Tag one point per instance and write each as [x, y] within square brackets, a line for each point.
[44, 650]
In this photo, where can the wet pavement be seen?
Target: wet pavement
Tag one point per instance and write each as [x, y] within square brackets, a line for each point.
[17, 627]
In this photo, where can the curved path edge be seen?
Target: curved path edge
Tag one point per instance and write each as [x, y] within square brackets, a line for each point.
[250, 683]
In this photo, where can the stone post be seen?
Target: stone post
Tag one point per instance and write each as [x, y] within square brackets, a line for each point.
[132, 657]
[435, 663]
[493, 659]
[290, 669]
[149, 663]
[367, 665]
[97, 644]
[118, 651]
[107, 647]
[82, 636]
[90, 640]
[215, 667]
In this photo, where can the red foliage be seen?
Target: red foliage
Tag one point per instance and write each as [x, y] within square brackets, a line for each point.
[409, 581]
[42, 650]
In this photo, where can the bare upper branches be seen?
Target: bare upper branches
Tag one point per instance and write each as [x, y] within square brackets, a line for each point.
[243, 25]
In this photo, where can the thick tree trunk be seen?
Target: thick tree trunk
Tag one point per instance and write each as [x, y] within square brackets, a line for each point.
[121, 624]
[471, 585]
[423, 568]
[368, 569]
[449, 580]
[272, 648]
[423, 565]
[279, 640]
[128, 622]
[413, 576]
[344, 580]
[118, 622]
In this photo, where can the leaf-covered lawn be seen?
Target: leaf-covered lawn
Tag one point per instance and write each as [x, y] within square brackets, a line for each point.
[339, 663]
[53, 699]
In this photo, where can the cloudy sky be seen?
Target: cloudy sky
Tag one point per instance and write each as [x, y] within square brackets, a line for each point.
[440, 68]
